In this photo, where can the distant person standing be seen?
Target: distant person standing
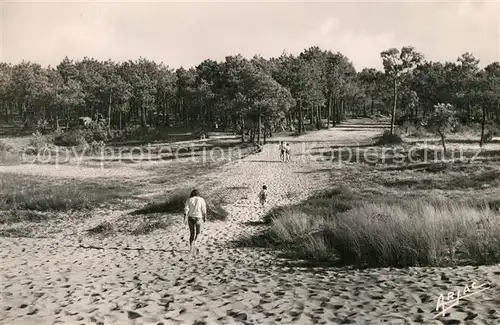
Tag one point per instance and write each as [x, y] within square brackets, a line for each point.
[195, 210]
[282, 151]
[288, 152]
[263, 195]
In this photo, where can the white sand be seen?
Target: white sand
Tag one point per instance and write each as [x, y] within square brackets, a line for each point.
[52, 281]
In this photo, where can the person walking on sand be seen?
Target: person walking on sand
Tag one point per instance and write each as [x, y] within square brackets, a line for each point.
[282, 151]
[195, 210]
[263, 195]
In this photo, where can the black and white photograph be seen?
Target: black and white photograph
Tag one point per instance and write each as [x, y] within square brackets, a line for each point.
[249, 162]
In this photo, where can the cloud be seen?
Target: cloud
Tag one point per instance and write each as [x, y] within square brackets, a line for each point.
[361, 47]
[329, 26]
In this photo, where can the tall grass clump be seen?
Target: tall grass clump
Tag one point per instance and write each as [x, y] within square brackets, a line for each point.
[339, 199]
[174, 203]
[421, 232]
[25, 193]
[381, 233]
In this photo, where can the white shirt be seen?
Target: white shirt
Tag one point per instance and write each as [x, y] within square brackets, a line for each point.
[195, 207]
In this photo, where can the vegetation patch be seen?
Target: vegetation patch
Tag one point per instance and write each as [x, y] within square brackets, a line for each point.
[15, 216]
[16, 232]
[377, 232]
[8, 154]
[4, 147]
[132, 225]
[28, 193]
[443, 177]
[387, 139]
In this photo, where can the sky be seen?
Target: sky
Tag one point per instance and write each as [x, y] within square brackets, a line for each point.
[186, 33]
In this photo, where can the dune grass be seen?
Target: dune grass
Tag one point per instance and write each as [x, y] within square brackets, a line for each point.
[174, 203]
[38, 194]
[382, 233]
[132, 225]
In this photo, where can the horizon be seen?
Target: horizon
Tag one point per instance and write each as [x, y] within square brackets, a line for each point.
[184, 34]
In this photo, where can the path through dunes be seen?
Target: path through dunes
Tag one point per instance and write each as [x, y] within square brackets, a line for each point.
[152, 279]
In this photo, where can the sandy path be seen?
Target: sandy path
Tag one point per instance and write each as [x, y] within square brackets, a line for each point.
[50, 280]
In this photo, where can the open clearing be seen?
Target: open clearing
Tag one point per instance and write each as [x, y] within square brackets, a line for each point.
[61, 274]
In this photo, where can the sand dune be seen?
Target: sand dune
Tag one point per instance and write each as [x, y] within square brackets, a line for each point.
[72, 278]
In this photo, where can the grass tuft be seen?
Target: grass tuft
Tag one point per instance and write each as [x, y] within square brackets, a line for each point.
[134, 226]
[15, 216]
[175, 202]
[27, 193]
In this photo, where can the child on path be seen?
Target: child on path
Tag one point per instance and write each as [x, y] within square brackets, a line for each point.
[288, 152]
[263, 195]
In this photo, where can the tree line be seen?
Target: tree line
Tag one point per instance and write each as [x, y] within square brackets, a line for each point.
[256, 95]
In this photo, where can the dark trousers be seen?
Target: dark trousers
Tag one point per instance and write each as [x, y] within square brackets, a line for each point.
[194, 228]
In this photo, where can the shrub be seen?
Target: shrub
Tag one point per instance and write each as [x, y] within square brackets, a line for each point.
[73, 138]
[410, 128]
[442, 121]
[200, 135]
[39, 141]
[42, 125]
[4, 147]
[144, 134]
[8, 155]
[467, 130]
[491, 131]
[388, 139]
[96, 147]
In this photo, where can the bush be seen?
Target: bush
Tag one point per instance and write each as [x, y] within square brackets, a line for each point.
[74, 138]
[4, 147]
[468, 130]
[144, 134]
[175, 204]
[491, 131]
[388, 139]
[383, 233]
[39, 141]
[409, 128]
[200, 135]
[8, 155]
